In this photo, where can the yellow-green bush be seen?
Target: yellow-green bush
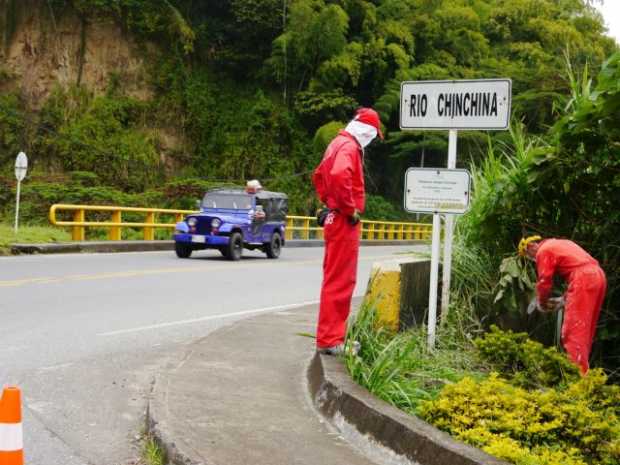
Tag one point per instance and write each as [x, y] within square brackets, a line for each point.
[575, 426]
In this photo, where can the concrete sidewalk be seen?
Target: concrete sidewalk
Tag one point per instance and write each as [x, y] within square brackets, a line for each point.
[240, 396]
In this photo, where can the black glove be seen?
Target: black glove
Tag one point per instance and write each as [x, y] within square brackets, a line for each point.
[355, 218]
[321, 215]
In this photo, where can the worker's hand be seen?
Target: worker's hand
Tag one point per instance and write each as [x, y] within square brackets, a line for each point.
[355, 217]
[548, 307]
[555, 303]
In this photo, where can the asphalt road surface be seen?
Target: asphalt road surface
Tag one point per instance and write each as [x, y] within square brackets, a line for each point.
[83, 335]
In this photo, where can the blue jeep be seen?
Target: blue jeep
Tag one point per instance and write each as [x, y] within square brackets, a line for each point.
[231, 220]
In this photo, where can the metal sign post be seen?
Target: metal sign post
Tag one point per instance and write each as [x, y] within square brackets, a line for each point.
[436, 191]
[482, 104]
[448, 238]
[21, 167]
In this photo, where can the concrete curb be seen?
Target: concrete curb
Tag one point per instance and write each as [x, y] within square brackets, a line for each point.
[153, 246]
[345, 403]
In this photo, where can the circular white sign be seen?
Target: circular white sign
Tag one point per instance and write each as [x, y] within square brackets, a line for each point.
[21, 166]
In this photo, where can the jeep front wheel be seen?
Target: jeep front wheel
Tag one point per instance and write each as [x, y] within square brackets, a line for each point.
[273, 248]
[182, 250]
[234, 250]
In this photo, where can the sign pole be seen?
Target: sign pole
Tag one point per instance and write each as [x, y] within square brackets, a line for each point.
[432, 294]
[19, 183]
[448, 238]
[21, 167]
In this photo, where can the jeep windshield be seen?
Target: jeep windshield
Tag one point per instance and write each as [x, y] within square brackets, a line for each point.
[227, 201]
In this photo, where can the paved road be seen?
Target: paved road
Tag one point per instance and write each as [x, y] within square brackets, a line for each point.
[83, 335]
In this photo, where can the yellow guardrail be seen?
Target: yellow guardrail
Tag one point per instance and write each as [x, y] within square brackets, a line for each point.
[371, 230]
[297, 227]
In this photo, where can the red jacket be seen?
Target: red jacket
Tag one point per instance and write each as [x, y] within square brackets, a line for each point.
[561, 256]
[339, 178]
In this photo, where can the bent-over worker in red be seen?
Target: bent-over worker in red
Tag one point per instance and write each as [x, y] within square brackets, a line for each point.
[339, 183]
[587, 285]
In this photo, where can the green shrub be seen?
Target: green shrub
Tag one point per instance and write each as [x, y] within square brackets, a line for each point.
[527, 363]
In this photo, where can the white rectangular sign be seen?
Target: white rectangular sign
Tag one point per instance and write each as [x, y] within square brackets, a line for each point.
[432, 190]
[473, 104]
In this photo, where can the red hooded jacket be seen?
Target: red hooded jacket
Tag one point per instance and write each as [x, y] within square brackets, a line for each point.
[558, 256]
[339, 178]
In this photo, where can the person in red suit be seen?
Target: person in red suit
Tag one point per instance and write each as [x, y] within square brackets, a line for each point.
[339, 184]
[587, 285]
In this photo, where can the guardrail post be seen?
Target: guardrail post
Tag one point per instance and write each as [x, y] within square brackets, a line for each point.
[149, 232]
[115, 233]
[78, 233]
[371, 231]
[306, 232]
[289, 228]
[401, 232]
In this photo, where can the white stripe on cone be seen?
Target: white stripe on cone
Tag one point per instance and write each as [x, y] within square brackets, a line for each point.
[11, 437]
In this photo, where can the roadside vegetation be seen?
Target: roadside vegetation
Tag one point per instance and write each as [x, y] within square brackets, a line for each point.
[242, 89]
[29, 235]
[510, 391]
[502, 392]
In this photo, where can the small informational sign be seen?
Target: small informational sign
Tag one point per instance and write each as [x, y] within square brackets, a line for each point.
[431, 190]
[21, 166]
[482, 104]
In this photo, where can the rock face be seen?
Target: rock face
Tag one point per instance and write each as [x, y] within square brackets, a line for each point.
[41, 49]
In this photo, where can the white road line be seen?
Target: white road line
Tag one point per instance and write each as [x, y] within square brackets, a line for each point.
[210, 317]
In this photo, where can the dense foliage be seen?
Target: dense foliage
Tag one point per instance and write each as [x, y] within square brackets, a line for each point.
[563, 184]
[240, 87]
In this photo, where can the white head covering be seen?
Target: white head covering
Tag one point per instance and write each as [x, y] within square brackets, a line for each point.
[364, 133]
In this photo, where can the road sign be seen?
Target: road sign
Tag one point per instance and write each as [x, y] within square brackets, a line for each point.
[21, 166]
[430, 190]
[469, 104]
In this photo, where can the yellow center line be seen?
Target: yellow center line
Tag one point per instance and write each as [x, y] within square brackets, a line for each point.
[159, 271]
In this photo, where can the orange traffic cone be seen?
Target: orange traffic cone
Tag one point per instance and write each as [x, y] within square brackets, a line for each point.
[11, 435]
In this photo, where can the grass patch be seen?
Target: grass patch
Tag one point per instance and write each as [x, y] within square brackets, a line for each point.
[400, 369]
[30, 235]
[152, 453]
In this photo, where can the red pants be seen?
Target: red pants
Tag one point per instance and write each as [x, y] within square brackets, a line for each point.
[584, 299]
[339, 276]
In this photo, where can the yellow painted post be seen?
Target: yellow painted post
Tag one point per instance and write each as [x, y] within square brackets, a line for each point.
[371, 231]
[381, 231]
[289, 229]
[306, 231]
[390, 231]
[115, 231]
[410, 232]
[401, 232]
[149, 232]
[319, 231]
[78, 233]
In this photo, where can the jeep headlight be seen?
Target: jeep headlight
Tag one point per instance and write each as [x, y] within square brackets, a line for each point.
[192, 221]
[216, 223]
